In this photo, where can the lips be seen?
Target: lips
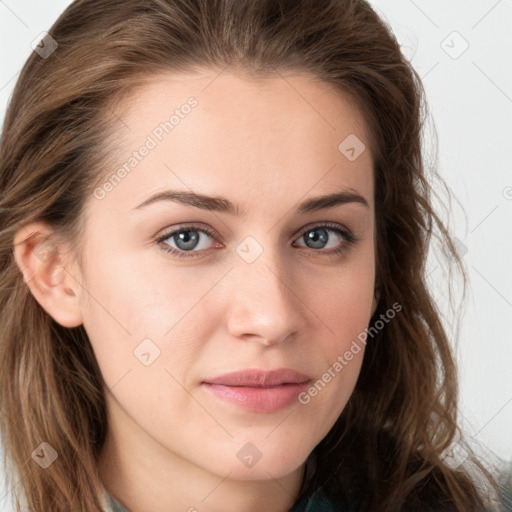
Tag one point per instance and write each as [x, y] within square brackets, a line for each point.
[258, 390]
[260, 378]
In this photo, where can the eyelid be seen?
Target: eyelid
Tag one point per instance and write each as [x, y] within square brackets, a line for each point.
[325, 224]
[187, 226]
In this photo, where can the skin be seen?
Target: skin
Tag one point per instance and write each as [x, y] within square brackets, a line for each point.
[265, 145]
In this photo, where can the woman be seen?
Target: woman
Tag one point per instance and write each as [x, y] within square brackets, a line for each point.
[215, 220]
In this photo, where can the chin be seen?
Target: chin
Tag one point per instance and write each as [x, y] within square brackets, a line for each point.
[268, 463]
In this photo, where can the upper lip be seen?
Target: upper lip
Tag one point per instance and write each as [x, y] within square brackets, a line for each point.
[260, 378]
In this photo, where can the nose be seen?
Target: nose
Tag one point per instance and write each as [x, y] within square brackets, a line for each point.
[267, 304]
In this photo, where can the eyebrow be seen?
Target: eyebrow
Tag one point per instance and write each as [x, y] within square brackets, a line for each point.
[221, 204]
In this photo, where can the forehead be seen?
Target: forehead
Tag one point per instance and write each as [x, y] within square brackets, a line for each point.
[283, 102]
[222, 132]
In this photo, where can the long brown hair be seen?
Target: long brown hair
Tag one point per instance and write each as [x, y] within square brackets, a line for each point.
[386, 450]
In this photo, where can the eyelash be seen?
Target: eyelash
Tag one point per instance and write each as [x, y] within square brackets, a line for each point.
[350, 239]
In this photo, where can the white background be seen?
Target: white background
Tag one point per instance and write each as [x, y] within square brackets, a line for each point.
[470, 100]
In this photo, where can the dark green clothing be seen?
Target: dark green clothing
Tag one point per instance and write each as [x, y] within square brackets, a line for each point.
[319, 502]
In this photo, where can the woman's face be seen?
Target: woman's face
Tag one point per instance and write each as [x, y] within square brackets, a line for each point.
[254, 282]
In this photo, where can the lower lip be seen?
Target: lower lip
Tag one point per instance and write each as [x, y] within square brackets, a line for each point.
[258, 399]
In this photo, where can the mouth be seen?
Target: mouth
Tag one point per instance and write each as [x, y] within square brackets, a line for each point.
[258, 390]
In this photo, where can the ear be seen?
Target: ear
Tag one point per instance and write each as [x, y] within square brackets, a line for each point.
[48, 273]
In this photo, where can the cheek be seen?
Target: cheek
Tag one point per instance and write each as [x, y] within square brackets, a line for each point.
[131, 310]
[343, 306]
[344, 302]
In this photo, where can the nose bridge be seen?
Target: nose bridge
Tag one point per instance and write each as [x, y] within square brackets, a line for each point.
[264, 302]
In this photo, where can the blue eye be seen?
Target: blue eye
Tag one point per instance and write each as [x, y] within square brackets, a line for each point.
[190, 244]
[319, 235]
[186, 239]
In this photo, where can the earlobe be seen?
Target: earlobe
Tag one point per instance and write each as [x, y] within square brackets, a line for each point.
[45, 272]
